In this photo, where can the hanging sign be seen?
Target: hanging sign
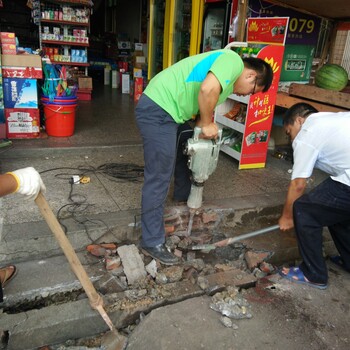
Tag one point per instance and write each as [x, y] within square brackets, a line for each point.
[303, 29]
[267, 30]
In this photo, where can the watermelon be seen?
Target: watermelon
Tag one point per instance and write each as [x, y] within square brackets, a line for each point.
[331, 77]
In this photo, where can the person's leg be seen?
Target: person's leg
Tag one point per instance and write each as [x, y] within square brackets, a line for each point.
[326, 205]
[182, 174]
[341, 237]
[158, 131]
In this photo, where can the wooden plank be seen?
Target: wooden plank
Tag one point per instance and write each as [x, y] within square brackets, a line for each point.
[312, 92]
[286, 101]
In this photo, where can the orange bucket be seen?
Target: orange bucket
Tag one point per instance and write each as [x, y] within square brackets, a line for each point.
[59, 119]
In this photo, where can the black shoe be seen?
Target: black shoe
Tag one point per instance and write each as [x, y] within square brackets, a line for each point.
[161, 253]
[338, 260]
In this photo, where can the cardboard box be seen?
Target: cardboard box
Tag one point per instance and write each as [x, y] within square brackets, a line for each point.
[22, 66]
[85, 83]
[115, 79]
[125, 83]
[138, 88]
[22, 123]
[2, 131]
[84, 94]
[20, 93]
[7, 38]
[107, 76]
[138, 47]
[140, 59]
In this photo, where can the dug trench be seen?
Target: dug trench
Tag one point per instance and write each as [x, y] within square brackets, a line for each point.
[133, 284]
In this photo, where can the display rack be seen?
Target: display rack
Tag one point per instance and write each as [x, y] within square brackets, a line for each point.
[247, 120]
[64, 28]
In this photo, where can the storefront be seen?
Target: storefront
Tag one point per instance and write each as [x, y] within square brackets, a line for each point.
[123, 44]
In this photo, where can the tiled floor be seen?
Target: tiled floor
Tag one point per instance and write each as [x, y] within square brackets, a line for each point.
[106, 120]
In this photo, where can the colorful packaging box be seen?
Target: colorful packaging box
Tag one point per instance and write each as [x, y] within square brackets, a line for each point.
[22, 123]
[2, 115]
[7, 38]
[137, 73]
[138, 88]
[20, 93]
[9, 49]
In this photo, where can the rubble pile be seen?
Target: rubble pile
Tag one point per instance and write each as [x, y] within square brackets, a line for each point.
[145, 282]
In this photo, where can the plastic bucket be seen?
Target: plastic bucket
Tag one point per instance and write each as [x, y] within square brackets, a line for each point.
[59, 119]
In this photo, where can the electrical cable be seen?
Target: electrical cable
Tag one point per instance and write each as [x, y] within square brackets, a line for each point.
[113, 171]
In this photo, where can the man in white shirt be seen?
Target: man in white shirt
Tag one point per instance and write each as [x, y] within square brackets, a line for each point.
[320, 140]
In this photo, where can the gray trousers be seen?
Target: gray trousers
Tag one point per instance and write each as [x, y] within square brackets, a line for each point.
[158, 130]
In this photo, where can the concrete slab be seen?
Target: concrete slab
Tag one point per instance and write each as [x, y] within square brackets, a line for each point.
[285, 316]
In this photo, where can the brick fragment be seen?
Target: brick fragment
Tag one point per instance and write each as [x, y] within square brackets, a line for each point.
[209, 217]
[254, 259]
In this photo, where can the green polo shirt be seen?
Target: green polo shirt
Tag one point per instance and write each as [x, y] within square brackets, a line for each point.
[176, 88]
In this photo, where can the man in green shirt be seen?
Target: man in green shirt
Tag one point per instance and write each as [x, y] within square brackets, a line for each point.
[194, 85]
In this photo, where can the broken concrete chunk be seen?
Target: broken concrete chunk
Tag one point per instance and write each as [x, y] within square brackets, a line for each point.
[223, 267]
[151, 268]
[135, 294]
[134, 267]
[172, 241]
[112, 263]
[161, 278]
[203, 282]
[231, 304]
[226, 321]
[258, 273]
[197, 264]
[178, 253]
[191, 256]
[110, 284]
[173, 273]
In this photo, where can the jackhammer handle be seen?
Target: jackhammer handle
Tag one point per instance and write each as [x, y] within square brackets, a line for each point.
[74, 262]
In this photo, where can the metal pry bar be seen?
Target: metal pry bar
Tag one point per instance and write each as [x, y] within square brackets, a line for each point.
[229, 241]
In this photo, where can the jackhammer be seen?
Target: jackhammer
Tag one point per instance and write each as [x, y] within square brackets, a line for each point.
[203, 156]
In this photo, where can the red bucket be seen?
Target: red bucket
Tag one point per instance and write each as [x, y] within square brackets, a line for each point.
[59, 120]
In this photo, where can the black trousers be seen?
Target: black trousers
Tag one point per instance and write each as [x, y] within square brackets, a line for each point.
[327, 205]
